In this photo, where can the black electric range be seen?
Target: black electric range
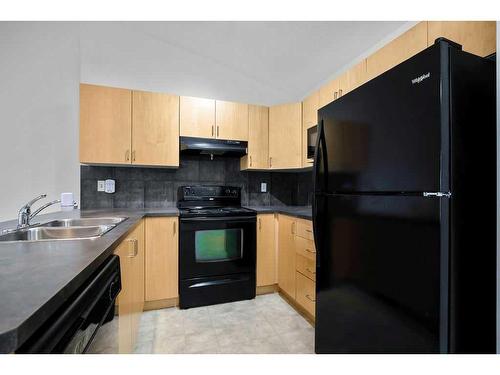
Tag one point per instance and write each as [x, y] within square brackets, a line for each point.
[217, 246]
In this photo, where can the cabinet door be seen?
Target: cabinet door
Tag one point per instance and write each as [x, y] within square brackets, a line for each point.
[231, 120]
[354, 77]
[155, 129]
[258, 138]
[286, 254]
[310, 107]
[330, 91]
[197, 117]
[285, 136]
[477, 37]
[136, 241]
[125, 299]
[266, 250]
[105, 124]
[397, 51]
[161, 258]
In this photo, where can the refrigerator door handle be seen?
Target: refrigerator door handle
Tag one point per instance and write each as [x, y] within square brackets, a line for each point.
[436, 194]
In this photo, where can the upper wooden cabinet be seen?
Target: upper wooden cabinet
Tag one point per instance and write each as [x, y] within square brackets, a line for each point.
[477, 37]
[258, 139]
[231, 120]
[105, 125]
[341, 85]
[397, 51]
[197, 117]
[310, 107]
[161, 274]
[285, 136]
[155, 129]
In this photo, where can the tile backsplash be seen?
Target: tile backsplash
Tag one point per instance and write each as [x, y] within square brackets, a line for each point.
[138, 187]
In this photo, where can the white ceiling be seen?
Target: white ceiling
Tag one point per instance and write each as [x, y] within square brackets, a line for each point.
[253, 62]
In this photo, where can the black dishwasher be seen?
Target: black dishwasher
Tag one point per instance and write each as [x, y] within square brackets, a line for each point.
[73, 327]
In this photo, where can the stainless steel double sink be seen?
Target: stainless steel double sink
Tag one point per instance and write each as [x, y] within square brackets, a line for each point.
[64, 229]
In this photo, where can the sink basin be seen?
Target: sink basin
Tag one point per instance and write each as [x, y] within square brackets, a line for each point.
[84, 222]
[59, 233]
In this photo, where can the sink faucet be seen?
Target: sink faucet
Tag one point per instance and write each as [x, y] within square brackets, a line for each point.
[25, 215]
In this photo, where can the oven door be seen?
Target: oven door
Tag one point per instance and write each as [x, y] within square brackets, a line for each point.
[213, 246]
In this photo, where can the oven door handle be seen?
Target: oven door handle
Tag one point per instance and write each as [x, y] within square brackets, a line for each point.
[220, 218]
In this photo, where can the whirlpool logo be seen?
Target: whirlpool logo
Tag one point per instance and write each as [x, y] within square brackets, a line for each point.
[421, 78]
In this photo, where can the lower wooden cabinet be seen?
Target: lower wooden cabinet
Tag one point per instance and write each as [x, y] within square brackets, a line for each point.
[266, 250]
[131, 298]
[286, 254]
[306, 293]
[161, 280]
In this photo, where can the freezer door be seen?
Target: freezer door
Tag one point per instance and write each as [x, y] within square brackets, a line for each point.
[386, 136]
[379, 274]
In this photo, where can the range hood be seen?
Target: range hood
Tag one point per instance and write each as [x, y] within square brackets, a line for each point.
[207, 146]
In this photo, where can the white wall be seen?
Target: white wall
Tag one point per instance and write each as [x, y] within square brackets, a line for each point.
[39, 77]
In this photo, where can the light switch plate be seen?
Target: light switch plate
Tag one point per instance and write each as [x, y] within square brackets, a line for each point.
[263, 187]
[100, 185]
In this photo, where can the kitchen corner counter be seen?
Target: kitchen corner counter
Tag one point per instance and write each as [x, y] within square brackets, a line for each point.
[303, 212]
[36, 278]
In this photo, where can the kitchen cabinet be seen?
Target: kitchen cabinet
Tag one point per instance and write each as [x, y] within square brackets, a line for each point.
[131, 298]
[231, 120]
[105, 125]
[306, 293]
[477, 37]
[266, 250]
[155, 129]
[258, 139]
[286, 254]
[162, 254]
[197, 117]
[310, 106]
[285, 136]
[398, 50]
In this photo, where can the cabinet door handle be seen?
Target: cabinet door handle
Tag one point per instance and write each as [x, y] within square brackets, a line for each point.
[293, 227]
[133, 155]
[213, 130]
[270, 161]
[250, 160]
[340, 93]
[310, 271]
[217, 131]
[310, 251]
[308, 230]
[175, 227]
[309, 298]
[127, 155]
[260, 224]
[335, 95]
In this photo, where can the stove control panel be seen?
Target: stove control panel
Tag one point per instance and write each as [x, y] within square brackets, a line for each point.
[208, 193]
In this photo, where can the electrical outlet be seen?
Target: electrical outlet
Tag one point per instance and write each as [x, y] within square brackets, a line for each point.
[100, 185]
[263, 187]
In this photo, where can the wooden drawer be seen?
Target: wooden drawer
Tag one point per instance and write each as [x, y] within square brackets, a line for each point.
[305, 229]
[305, 248]
[306, 293]
[306, 266]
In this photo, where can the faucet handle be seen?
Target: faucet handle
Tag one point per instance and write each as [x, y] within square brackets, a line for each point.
[30, 203]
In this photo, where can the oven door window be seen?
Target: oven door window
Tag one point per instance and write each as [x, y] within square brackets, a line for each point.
[218, 245]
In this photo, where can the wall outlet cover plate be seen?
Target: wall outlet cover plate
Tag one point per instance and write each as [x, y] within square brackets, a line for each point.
[263, 187]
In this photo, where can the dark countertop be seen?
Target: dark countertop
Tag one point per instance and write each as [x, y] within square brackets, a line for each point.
[37, 277]
[303, 212]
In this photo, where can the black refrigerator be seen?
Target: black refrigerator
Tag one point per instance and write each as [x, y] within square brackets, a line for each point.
[404, 210]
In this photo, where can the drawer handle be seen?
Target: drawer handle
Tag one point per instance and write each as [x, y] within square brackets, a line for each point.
[308, 230]
[309, 298]
[310, 271]
[310, 251]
